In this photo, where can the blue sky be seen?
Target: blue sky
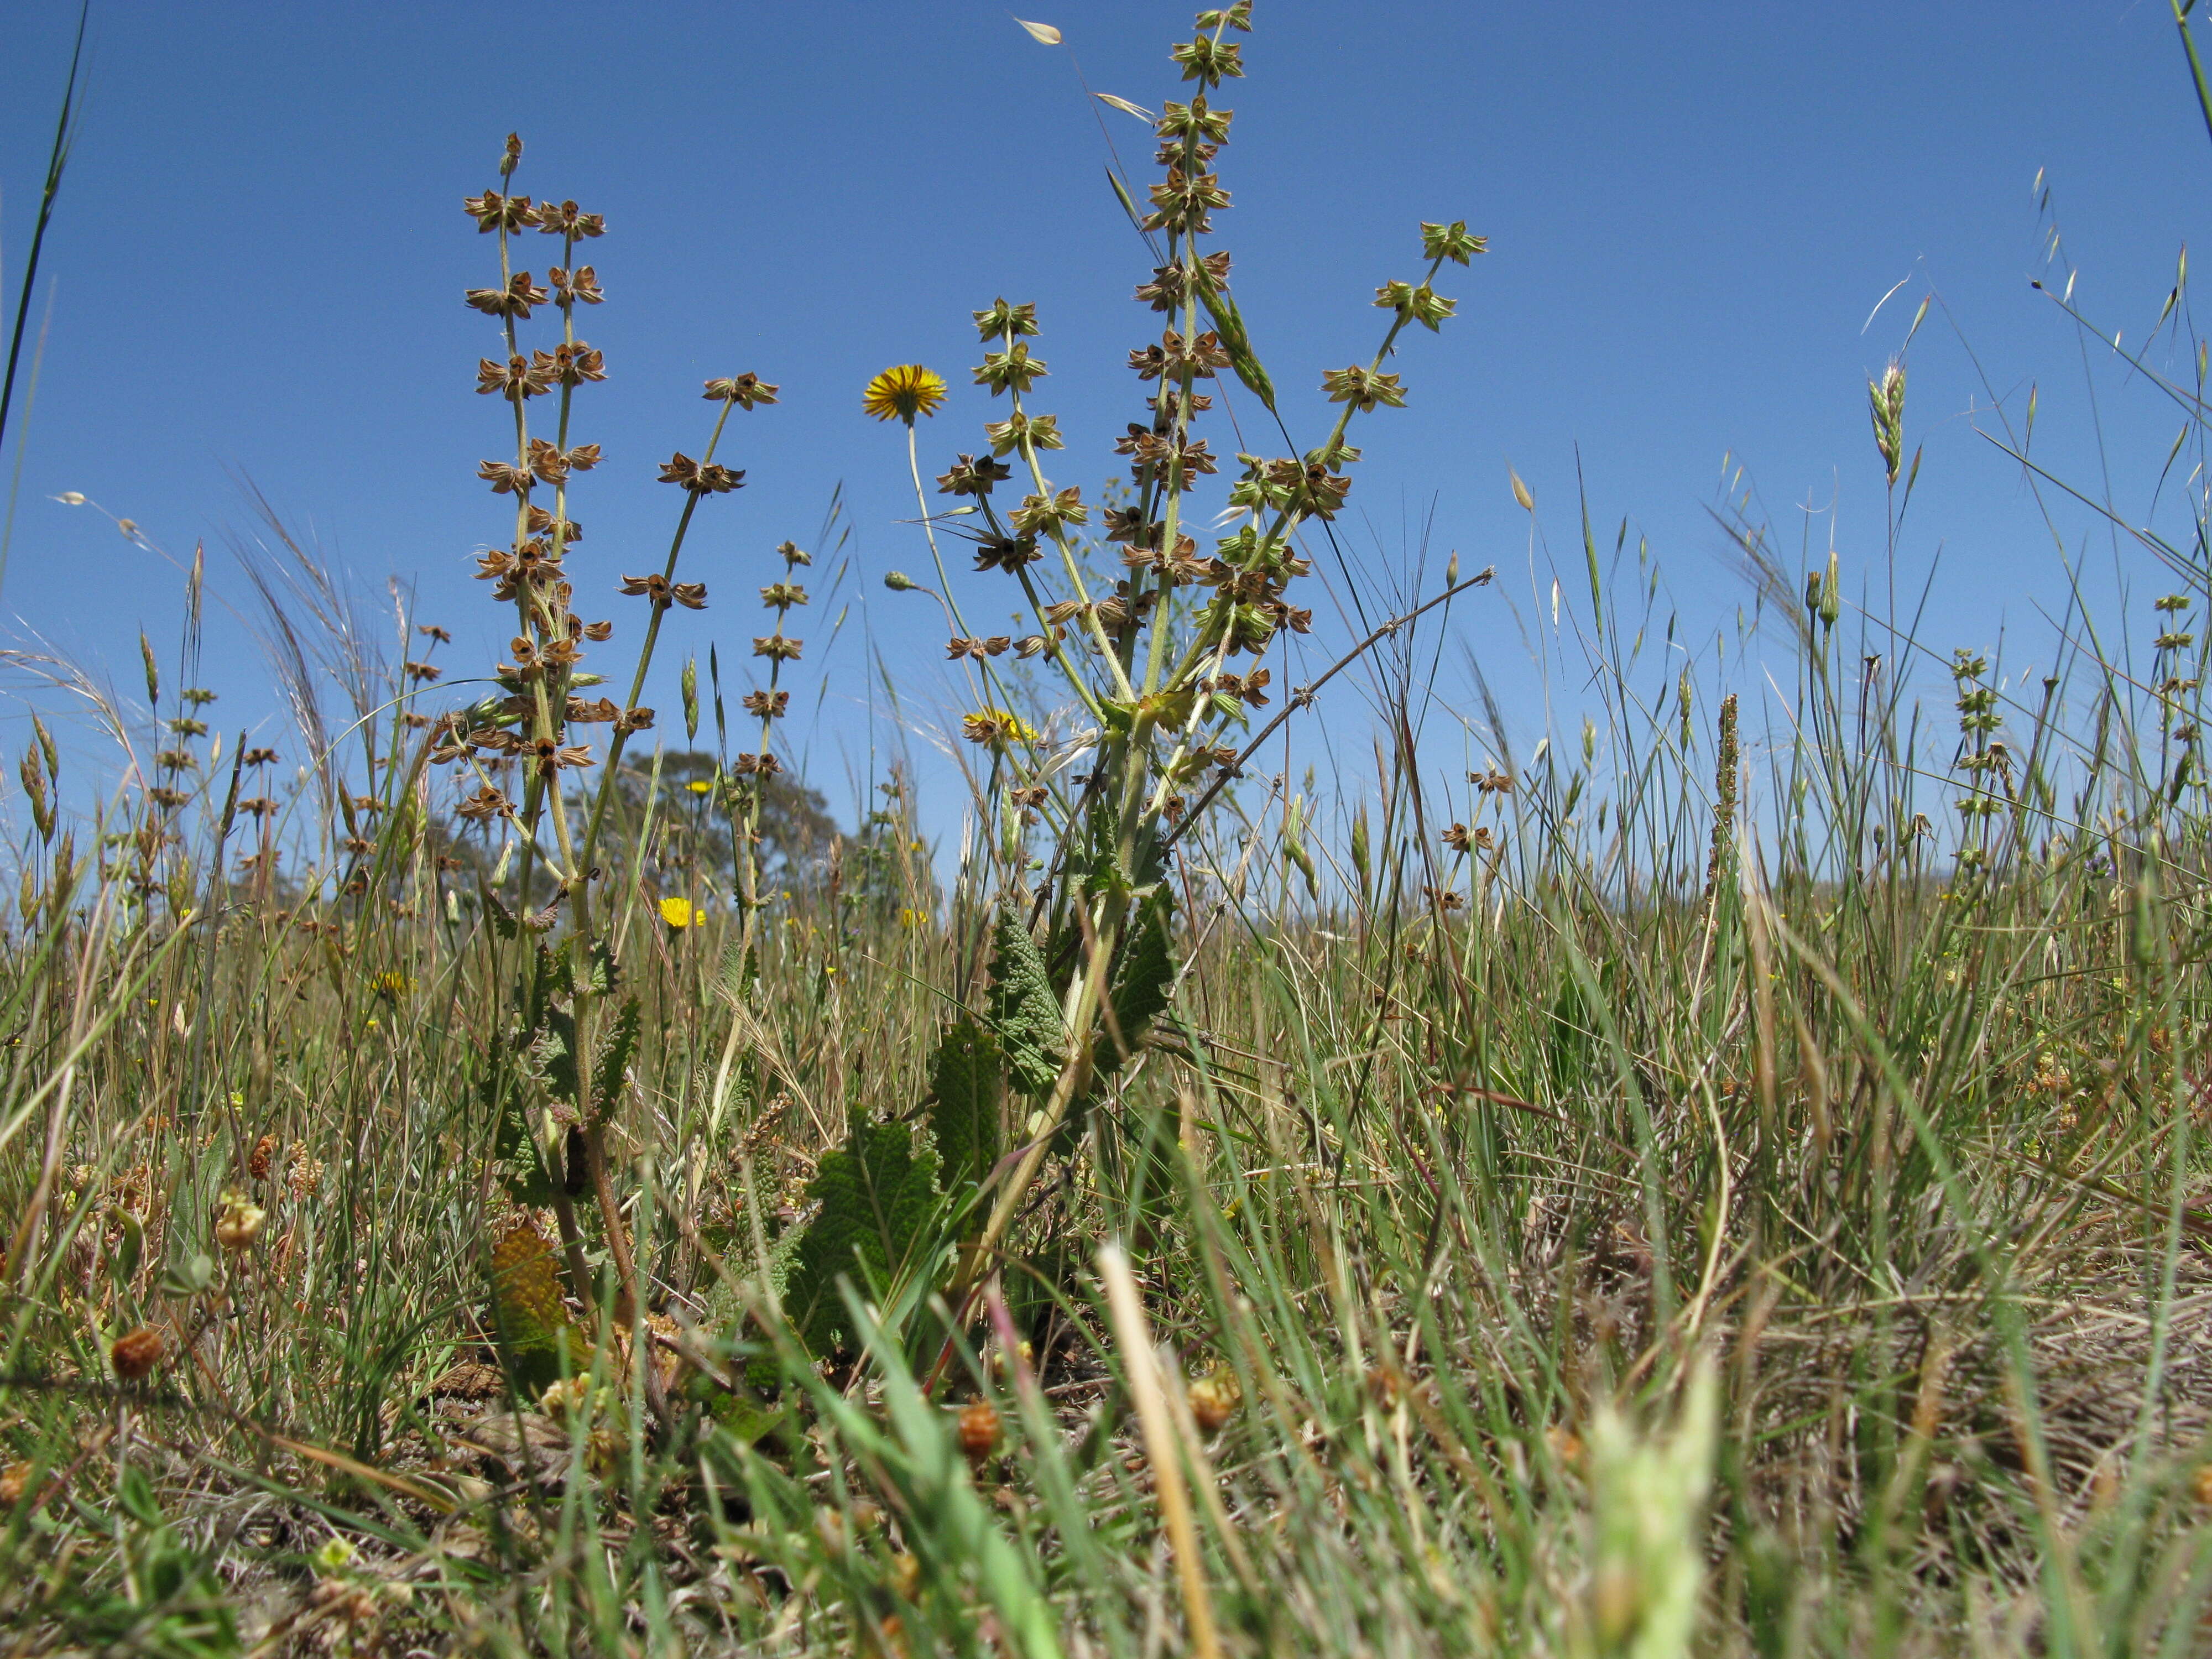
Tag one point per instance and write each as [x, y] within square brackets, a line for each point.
[259, 258]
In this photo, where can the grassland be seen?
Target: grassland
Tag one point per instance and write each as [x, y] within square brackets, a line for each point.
[1730, 1183]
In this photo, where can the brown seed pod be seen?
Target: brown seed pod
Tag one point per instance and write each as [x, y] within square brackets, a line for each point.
[979, 1430]
[137, 1352]
[264, 1150]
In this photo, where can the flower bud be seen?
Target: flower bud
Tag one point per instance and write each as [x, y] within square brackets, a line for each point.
[239, 1224]
[979, 1430]
[898, 581]
[1214, 1401]
[566, 1399]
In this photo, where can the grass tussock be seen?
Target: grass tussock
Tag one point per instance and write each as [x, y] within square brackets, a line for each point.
[482, 1176]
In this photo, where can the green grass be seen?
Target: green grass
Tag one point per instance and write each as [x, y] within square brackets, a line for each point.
[1730, 1184]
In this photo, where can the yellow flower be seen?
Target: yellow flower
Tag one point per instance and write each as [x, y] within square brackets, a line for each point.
[996, 727]
[680, 913]
[392, 986]
[905, 391]
[698, 786]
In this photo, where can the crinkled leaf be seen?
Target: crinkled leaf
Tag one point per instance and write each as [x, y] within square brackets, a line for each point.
[601, 972]
[554, 1053]
[615, 1056]
[735, 973]
[878, 1198]
[516, 1152]
[1024, 1014]
[966, 1083]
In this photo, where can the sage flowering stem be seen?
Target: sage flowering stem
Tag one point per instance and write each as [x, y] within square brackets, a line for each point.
[620, 740]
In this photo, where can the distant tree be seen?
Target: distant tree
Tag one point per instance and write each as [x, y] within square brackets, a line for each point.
[693, 830]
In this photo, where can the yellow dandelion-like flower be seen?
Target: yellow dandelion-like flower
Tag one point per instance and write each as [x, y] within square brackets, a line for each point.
[680, 913]
[905, 391]
[698, 786]
[392, 986]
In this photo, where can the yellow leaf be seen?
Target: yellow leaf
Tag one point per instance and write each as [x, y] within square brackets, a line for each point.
[1520, 492]
[1043, 34]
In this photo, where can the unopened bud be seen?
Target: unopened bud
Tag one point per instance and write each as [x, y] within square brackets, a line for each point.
[1214, 1401]
[979, 1430]
[898, 581]
[239, 1224]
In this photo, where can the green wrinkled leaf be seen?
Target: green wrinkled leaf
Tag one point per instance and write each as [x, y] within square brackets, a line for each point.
[516, 1151]
[554, 1053]
[1024, 1013]
[614, 1055]
[601, 973]
[878, 1200]
[736, 972]
[966, 1083]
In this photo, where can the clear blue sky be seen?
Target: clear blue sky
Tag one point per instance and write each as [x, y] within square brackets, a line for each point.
[260, 255]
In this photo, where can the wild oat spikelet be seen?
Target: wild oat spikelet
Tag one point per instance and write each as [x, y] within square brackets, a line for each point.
[1886, 404]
